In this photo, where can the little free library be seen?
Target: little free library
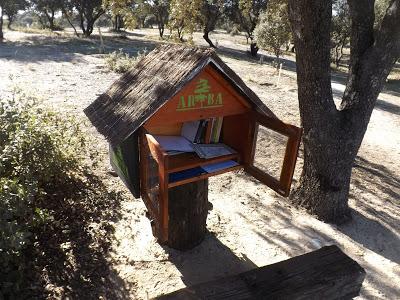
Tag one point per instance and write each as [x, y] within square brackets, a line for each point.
[179, 116]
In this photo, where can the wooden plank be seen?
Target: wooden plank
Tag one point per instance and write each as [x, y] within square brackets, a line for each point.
[275, 124]
[203, 176]
[165, 129]
[185, 161]
[326, 274]
[281, 186]
[289, 163]
[235, 133]
[265, 178]
[156, 151]
[163, 175]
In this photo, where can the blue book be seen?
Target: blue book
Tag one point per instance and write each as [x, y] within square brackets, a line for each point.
[185, 174]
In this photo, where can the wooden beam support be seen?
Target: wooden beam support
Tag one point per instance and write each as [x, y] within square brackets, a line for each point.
[326, 274]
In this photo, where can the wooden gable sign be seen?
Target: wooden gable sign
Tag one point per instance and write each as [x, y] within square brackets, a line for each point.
[207, 95]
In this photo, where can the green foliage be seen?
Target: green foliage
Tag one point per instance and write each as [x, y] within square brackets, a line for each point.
[11, 8]
[121, 62]
[88, 11]
[40, 153]
[46, 11]
[246, 14]
[273, 31]
[341, 30]
[184, 16]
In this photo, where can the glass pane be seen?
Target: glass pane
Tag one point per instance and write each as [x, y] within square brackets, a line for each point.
[270, 151]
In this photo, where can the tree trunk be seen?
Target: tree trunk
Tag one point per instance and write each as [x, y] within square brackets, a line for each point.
[207, 39]
[161, 29]
[253, 48]
[10, 21]
[325, 180]
[337, 56]
[1, 25]
[116, 23]
[333, 136]
[188, 208]
[69, 22]
[50, 19]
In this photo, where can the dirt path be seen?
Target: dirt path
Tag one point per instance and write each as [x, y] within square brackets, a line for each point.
[249, 225]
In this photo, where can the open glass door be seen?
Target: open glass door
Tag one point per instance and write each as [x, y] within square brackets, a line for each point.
[154, 184]
[274, 152]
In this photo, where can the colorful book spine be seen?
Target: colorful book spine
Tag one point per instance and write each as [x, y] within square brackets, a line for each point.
[216, 130]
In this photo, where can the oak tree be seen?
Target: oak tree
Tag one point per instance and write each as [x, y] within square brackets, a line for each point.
[46, 11]
[211, 12]
[160, 10]
[273, 30]
[89, 11]
[246, 14]
[184, 16]
[11, 9]
[332, 136]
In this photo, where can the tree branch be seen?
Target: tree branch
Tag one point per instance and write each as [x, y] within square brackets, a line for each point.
[361, 39]
[311, 26]
[372, 64]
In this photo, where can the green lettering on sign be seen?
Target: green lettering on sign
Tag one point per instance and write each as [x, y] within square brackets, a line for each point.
[202, 98]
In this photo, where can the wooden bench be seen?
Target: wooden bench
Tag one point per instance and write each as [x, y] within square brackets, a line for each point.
[326, 274]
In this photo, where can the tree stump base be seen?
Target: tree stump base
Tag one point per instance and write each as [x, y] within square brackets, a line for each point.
[187, 209]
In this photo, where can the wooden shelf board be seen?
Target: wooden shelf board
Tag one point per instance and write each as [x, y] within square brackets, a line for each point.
[185, 161]
[203, 176]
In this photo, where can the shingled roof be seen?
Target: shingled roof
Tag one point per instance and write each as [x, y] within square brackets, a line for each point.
[156, 78]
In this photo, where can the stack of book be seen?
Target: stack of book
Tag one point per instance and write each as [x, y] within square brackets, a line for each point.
[203, 131]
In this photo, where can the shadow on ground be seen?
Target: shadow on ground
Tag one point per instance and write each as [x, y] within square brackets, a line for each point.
[70, 256]
[376, 192]
[210, 257]
[375, 226]
[39, 48]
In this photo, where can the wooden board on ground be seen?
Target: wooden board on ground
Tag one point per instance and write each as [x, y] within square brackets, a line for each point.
[326, 273]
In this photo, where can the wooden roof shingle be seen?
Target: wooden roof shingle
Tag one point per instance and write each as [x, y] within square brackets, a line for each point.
[139, 93]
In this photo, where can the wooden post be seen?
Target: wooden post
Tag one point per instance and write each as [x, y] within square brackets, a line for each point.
[188, 208]
[326, 273]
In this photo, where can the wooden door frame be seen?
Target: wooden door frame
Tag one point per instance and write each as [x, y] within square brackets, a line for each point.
[281, 186]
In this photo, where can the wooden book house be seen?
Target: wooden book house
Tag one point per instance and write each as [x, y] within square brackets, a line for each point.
[172, 86]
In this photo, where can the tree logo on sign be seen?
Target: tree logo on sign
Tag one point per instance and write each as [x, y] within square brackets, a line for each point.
[201, 98]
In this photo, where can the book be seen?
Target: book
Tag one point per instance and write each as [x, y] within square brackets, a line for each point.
[212, 150]
[219, 166]
[216, 129]
[189, 130]
[185, 174]
[200, 131]
[174, 143]
[207, 138]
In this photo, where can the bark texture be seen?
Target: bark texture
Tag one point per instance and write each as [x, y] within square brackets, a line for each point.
[1, 25]
[188, 208]
[333, 136]
[207, 39]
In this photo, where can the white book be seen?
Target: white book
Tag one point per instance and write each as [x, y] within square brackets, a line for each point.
[174, 143]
